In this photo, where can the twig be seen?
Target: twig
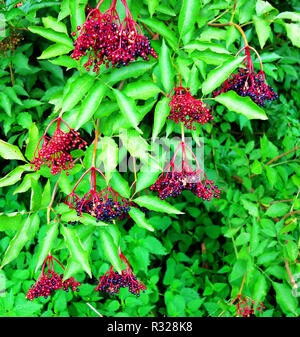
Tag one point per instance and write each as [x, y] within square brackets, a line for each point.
[52, 200]
[290, 274]
[98, 313]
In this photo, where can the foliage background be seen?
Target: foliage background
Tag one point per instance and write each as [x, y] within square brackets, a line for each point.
[193, 264]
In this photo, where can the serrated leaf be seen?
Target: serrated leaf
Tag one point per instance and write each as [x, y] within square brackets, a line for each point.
[188, 15]
[17, 243]
[46, 244]
[33, 139]
[128, 109]
[52, 35]
[76, 249]
[278, 210]
[140, 219]
[166, 68]
[111, 250]
[156, 204]
[91, 103]
[162, 110]
[10, 152]
[54, 50]
[241, 105]
[217, 76]
[80, 86]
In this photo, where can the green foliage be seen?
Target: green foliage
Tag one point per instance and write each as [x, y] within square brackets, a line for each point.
[194, 256]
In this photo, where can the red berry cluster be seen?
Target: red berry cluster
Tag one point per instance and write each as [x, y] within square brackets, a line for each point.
[108, 41]
[112, 281]
[49, 281]
[106, 205]
[187, 109]
[55, 150]
[246, 306]
[248, 83]
[177, 178]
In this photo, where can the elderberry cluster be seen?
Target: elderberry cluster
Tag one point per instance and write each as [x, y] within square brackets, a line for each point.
[112, 283]
[107, 42]
[171, 184]
[247, 307]
[102, 209]
[55, 151]
[11, 42]
[50, 282]
[188, 110]
[246, 83]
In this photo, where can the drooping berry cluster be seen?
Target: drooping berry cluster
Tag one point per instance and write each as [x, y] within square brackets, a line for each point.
[172, 184]
[248, 83]
[106, 205]
[187, 109]
[108, 41]
[246, 307]
[55, 150]
[177, 178]
[112, 281]
[49, 281]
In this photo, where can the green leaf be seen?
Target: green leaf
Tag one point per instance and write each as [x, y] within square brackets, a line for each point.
[64, 10]
[141, 90]
[292, 250]
[78, 89]
[202, 45]
[188, 15]
[76, 249]
[109, 156]
[52, 35]
[263, 30]
[278, 210]
[110, 249]
[136, 145]
[155, 246]
[256, 167]
[166, 68]
[119, 184]
[162, 29]
[293, 33]
[52, 23]
[54, 50]
[13, 176]
[285, 298]
[162, 110]
[128, 109]
[217, 76]
[140, 219]
[146, 178]
[10, 152]
[152, 5]
[36, 195]
[46, 244]
[5, 103]
[11, 222]
[156, 204]
[134, 70]
[241, 105]
[91, 103]
[17, 243]
[77, 11]
[33, 139]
